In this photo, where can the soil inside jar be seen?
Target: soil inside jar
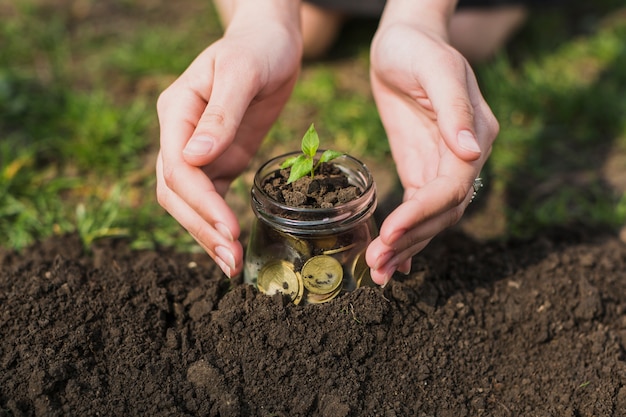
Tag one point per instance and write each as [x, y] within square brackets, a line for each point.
[328, 188]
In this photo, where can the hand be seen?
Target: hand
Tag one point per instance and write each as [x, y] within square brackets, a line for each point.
[213, 119]
[440, 131]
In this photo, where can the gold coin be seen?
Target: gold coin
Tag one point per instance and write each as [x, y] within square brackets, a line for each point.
[279, 277]
[325, 242]
[295, 243]
[322, 298]
[296, 300]
[322, 274]
[339, 250]
[361, 272]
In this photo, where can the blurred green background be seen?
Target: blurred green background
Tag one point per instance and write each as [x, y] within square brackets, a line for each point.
[79, 81]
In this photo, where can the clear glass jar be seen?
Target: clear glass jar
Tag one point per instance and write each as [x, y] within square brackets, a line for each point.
[311, 254]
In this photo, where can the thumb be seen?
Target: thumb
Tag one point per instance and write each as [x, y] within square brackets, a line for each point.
[465, 146]
[215, 130]
[229, 99]
[456, 124]
[457, 104]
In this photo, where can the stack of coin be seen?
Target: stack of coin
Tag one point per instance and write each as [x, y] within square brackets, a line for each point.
[319, 279]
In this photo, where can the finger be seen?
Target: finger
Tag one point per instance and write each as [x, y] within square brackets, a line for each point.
[405, 267]
[385, 258]
[191, 185]
[485, 123]
[179, 108]
[411, 133]
[428, 229]
[228, 92]
[207, 206]
[382, 273]
[452, 101]
[438, 196]
[216, 240]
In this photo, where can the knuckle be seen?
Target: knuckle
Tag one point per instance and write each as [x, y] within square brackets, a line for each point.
[464, 108]
[162, 100]
[496, 124]
[451, 58]
[161, 196]
[214, 114]
[170, 177]
[240, 62]
[493, 125]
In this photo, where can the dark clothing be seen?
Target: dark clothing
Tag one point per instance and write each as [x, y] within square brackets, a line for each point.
[367, 8]
[374, 8]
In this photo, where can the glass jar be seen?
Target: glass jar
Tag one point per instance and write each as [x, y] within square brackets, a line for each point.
[311, 254]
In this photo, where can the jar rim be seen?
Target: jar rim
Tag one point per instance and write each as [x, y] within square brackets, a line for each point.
[358, 174]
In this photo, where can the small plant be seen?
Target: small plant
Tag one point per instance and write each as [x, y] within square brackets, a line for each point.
[304, 164]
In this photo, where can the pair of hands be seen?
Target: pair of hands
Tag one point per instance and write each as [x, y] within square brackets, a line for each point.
[215, 115]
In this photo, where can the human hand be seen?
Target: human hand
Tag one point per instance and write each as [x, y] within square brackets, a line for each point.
[440, 131]
[212, 121]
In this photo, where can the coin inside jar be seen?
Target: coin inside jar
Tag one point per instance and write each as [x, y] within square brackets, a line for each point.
[322, 298]
[279, 277]
[299, 245]
[361, 271]
[324, 243]
[339, 249]
[322, 274]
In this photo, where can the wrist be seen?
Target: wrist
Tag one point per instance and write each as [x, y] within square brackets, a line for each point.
[284, 12]
[433, 15]
[274, 23]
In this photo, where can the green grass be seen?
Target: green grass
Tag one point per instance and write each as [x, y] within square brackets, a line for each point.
[78, 128]
[561, 114]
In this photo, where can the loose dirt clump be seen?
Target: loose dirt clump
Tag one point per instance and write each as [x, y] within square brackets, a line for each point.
[477, 329]
[328, 188]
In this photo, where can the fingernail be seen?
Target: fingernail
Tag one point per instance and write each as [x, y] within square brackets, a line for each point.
[226, 257]
[467, 141]
[383, 259]
[388, 274]
[387, 279]
[224, 231]
[225, 269]
[199, 145]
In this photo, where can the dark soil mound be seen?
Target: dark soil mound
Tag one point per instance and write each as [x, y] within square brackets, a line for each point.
[517, 329]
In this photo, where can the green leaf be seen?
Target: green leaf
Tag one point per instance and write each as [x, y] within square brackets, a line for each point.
[290, 161]
[310, 142]
[300, 168]
[329, 155]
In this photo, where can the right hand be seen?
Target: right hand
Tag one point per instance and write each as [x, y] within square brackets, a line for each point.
[440, 132]
[212, 121]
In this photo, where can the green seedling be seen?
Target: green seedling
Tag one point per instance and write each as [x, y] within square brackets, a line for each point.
[304, 163]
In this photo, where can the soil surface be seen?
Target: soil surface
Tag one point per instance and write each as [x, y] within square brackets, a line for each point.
[328, 188]
[534, 328]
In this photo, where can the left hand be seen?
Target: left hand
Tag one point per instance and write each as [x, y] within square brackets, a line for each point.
[214, 117]
[440, 131]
